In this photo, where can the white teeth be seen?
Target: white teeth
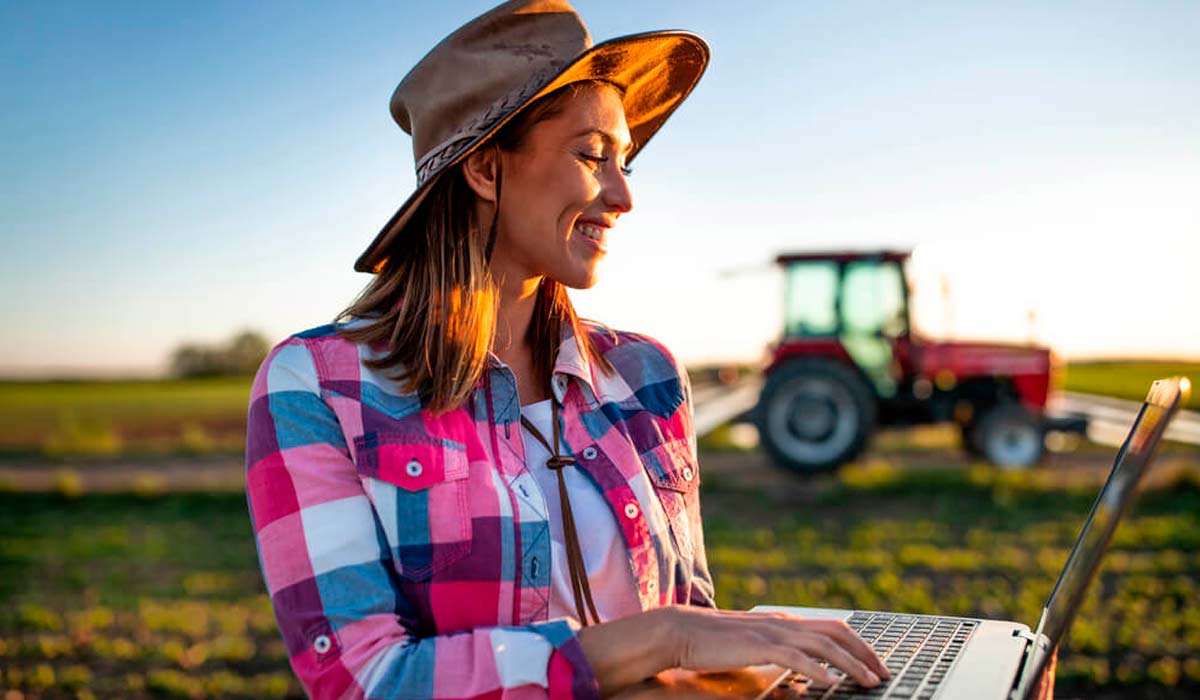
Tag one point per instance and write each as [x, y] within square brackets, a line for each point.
[589, 230]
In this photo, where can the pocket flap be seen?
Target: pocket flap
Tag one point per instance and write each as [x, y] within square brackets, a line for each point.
[670, 465]
[412, 462]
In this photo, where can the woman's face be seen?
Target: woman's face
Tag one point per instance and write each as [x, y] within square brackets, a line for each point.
[562, 191]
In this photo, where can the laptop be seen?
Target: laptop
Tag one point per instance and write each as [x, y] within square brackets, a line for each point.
[934, 657]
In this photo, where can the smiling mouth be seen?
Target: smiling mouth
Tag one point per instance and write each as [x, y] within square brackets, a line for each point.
[593, 232]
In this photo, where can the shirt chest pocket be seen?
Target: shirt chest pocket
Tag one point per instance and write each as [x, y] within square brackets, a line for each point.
[418, 486]
[672, 469]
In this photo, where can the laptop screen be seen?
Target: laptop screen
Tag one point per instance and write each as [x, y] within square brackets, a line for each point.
[1132, 461]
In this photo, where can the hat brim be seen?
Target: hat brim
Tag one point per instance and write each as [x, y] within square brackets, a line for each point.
[656, 72]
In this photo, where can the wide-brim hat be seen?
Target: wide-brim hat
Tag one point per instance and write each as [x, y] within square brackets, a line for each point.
[484, 73]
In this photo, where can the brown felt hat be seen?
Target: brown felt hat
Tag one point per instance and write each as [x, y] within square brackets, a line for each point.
[480, 76]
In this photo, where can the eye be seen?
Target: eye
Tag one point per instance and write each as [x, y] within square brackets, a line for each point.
[597, 161]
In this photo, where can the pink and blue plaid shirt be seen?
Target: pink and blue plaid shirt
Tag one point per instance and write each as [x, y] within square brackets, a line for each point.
[408, 556]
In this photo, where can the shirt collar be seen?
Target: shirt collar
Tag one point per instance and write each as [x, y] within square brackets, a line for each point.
[571, 362]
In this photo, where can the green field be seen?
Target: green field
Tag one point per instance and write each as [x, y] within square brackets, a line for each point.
[112, 418]
[122, 596]
[127, 596]
[1128, 379]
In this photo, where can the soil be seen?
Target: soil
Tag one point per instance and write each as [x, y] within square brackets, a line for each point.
[749, 470]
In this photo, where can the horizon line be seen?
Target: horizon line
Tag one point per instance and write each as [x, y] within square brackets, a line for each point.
[144, 373]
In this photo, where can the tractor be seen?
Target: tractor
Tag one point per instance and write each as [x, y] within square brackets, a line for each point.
[849, 362]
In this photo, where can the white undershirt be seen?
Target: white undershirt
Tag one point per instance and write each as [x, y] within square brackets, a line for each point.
[603, 545]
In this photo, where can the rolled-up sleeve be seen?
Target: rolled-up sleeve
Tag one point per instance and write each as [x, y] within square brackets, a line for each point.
[349, 630]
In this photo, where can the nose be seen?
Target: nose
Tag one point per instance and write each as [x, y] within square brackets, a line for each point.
[617, 194]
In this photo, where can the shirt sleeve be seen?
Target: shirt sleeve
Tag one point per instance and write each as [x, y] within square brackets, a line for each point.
[349, 630]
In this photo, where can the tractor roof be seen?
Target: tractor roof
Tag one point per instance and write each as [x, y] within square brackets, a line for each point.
[845, 256]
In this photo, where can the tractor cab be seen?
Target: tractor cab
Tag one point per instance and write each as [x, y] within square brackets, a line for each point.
[851, 305]
[849, 361]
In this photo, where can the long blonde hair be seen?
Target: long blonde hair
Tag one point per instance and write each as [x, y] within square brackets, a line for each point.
[432, 305]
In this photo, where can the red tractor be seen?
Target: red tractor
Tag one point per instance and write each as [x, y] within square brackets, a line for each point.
[849, 362]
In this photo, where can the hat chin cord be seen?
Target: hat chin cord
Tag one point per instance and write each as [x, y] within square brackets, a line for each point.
[494, 228]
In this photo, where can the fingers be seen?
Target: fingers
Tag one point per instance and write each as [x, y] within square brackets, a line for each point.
[835, 642]
[802, 663]
[718, 639]
[855, 645]
[826, 648]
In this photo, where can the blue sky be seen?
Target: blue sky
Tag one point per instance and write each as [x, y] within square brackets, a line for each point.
[176, 171]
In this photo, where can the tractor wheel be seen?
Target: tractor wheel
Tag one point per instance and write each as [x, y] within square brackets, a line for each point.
[1009, 436]
[815, 415]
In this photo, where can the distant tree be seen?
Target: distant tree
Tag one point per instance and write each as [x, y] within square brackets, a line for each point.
[193, 360]
[245, 352]
[240, 356]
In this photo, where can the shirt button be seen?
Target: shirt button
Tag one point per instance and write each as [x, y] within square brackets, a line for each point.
[688, 473]
[651, 585]
[589, 453]
[414, 469]
[631, 510]
[322, 644]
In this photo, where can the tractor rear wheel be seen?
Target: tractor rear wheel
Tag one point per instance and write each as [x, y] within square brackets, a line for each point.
[814, 415]
[1009, 436]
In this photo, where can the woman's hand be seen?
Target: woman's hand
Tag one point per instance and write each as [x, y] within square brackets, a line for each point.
[629, 650]
[719, 640]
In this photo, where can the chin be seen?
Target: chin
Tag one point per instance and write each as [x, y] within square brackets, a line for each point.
[579, 276]
[584, 280]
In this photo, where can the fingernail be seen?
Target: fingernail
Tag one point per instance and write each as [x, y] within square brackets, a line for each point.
[872, 679]
[831, 677]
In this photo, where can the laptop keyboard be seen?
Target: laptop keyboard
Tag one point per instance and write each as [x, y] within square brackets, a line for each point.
[918, 649]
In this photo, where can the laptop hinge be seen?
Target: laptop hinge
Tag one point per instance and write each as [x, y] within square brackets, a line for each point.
[1034, 641]
[1028, 636]
[1030, 639]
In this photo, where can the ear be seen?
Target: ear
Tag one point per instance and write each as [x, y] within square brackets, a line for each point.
[479, 170]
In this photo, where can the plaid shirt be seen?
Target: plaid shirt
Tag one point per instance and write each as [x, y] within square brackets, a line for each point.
[407, 555]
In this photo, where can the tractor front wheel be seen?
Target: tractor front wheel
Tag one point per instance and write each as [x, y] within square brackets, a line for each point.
[815, 415]
[1009, 436]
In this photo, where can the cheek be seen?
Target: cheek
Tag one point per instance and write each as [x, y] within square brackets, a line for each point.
[542, 203]
[574, 195]
[558, 201]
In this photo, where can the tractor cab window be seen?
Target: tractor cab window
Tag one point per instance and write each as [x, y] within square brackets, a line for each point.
[873, 299]
[810, 307]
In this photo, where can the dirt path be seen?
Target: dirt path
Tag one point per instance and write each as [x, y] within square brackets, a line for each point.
[749, 470]
[1087, 466]
[150, 476]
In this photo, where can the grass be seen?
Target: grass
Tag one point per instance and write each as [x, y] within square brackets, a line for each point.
[128, 596]
[125, 595]
[1128, 379]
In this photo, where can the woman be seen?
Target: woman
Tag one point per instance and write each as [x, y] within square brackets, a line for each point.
[463, 489]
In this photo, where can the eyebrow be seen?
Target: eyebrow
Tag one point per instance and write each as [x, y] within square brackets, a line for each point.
[607, 137]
